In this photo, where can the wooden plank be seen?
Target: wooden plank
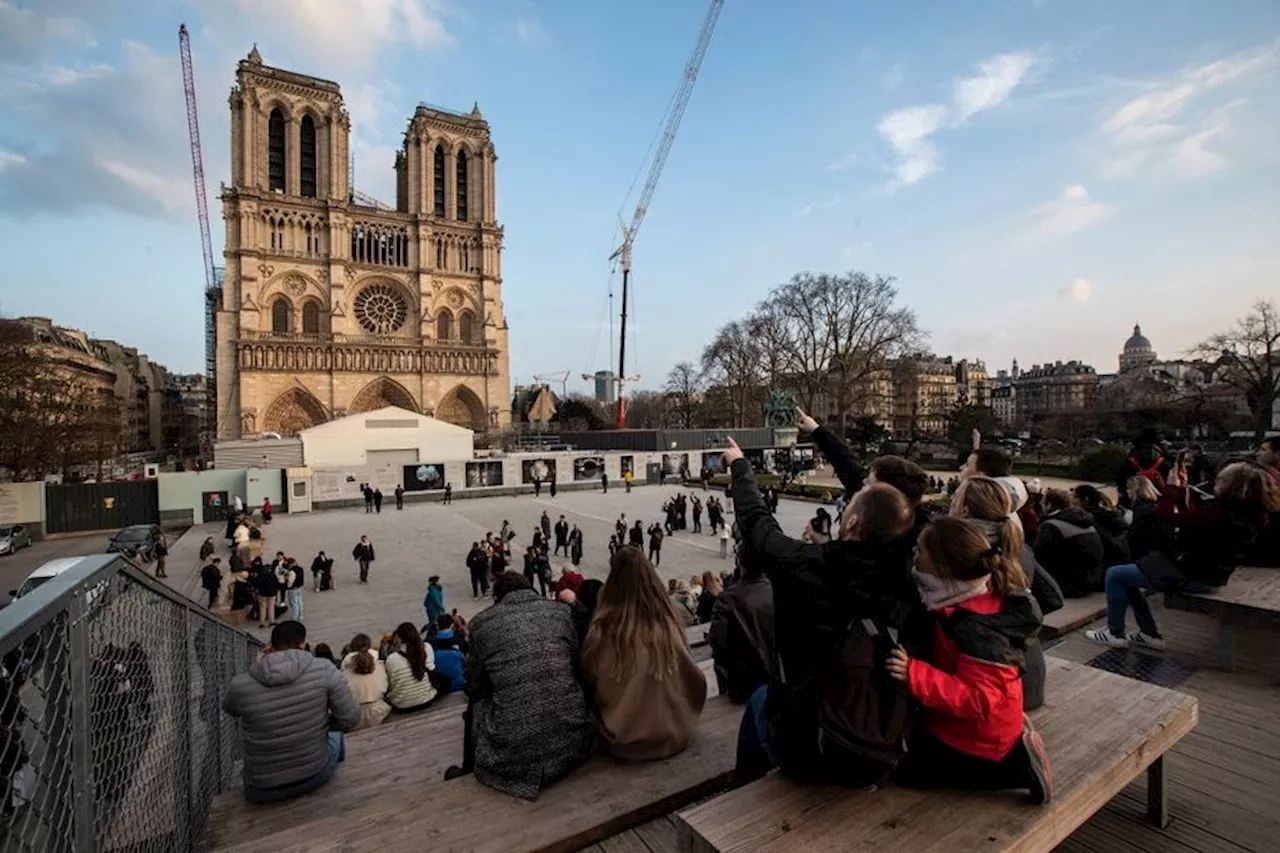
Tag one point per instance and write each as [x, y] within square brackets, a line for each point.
[1249, 588]
[1101, 731]
[1075, 613]
[661, 835]
[697, 634]
[600, 800]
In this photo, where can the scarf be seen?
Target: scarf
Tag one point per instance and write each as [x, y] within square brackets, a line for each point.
[937, 593]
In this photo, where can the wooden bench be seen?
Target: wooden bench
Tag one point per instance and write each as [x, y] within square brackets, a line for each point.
[696, 635]
[1075, 613]
[1100, 730]
[1251, 598]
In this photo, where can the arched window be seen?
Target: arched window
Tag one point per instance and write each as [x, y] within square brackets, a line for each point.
[466, 322]
[439, 180]
[311, 318]
[444, 325]
[439, 253]
[462, 185]
[307, 155]
[275, 150]
[280, 319]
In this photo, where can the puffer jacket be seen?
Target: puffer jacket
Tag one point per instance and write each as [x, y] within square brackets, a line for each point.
[285, 702]
[1070, 549]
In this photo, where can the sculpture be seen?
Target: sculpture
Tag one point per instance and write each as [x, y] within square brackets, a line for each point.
[780, 411]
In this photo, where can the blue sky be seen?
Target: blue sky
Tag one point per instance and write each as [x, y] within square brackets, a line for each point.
[1038, 174]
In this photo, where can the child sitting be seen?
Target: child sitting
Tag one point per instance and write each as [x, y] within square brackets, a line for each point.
[972, 732]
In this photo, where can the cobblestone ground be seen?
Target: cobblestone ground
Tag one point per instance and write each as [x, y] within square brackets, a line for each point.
[428, 539]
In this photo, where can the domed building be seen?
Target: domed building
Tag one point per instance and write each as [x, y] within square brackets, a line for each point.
[1138, 352]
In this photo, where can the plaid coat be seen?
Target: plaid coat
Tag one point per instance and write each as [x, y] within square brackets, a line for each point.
[530, 720]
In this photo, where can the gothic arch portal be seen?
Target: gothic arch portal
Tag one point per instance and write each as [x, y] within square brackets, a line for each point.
[461, 407]
[379, 394]
[292, 412]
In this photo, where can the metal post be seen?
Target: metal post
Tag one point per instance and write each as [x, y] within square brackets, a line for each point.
[622, 343]
[1157, 794]
[186, 737]
[78, 663]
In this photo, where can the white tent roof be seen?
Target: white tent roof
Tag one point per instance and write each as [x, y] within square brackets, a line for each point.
[389, 413]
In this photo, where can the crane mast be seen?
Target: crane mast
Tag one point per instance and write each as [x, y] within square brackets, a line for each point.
[212, 288]
[629, 231]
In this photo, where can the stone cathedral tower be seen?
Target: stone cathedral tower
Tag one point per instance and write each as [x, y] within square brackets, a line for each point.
[335, 304]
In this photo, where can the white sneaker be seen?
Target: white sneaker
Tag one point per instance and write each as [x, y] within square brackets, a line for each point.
[1103, 637]
[1137, 638]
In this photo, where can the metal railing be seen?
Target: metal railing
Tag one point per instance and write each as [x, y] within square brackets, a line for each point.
[111, 730]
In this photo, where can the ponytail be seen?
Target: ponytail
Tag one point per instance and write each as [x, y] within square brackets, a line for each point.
[1007, 576]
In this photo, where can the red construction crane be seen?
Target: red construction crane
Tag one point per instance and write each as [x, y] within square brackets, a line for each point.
[212, 288]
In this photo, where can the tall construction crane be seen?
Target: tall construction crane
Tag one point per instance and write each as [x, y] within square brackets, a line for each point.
[629, 231]
[561, 376]
[212, 287]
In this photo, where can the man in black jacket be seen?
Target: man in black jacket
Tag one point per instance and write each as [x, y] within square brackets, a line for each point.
[1069, 546]
[819, 591]
[741, 633]
[562, 536]
[478, 566]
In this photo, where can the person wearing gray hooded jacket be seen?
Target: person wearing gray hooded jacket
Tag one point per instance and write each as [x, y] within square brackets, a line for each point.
[287, 702]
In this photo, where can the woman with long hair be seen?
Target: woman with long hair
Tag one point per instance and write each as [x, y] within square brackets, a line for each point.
[409, 666]
[648, 690]
[367, 678]
[1213, 534]
[989, 505]
[712, 586]
[973, 732]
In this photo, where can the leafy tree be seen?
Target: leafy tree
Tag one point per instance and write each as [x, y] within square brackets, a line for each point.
[579, 412]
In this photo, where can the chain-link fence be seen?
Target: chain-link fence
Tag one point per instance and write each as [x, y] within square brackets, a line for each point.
[111, 733]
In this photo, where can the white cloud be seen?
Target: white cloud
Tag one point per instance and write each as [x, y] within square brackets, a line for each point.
[1000, 76]
[893, 77]
[1074, 210]
[909, 130]
[529, 31]
[8, 158]
[1153, 132]
[1079, 290]
[172, 192]
[60, 75]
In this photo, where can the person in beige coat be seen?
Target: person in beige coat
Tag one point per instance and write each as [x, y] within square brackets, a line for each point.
[648, 692]
[367, 678]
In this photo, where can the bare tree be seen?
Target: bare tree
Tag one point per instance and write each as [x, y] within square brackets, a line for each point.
[1248, 357]
[647, 410]
[731, 366]
[684, 393]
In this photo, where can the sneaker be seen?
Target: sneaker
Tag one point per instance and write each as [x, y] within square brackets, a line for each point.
[1041, 776]
[454, 772]
[1104, 637]
[1147, 641]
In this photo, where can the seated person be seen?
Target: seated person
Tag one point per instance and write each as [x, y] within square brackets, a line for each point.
[741, 633]
[998, 465]
[409, 663]
[647, 690]
[1068, 546]
[449, 651]
[989, 506]
[1111, 524]
[527, 723]
[678, 593]
[972, 732]
[367, 678]
[285, 702]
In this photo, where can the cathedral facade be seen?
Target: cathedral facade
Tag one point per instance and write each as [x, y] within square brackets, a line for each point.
[334, 304]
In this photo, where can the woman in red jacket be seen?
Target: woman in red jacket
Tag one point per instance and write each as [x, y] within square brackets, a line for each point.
[972, 732]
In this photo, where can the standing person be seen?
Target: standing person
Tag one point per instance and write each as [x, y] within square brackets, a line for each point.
[974, 733]
[626, 480]
[545, 524]
[377, 501]
[433, 603]
[530, 565]
[604, 482]
[697, 511]
[620, 529]
[211, 579]
[267, 510]
[448, 493]
[635, 537]
[655, 544]
[161, 551]
[280, 765]
[322, 572]
[553, 485]
[399, 497]
[575, 545]
[239, 505]
[527, 724]
[368, 497]
[562, 537]
[539, 542]
[207, 549]
[265, 586]
[478, 567]
[542, 568]
[506, 534]
[363, 555]
[537, 487]
[294, 580]
[648, 692]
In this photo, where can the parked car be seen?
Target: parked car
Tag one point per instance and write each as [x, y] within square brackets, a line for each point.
[135, 541]
[13, 537]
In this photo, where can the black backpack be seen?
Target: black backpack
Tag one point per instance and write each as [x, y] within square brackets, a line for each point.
[299, 577]
[210, 576]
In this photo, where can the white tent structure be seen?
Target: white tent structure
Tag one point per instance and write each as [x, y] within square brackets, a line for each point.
[388, 437]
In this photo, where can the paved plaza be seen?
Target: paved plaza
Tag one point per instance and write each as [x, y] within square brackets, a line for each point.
[428, 539]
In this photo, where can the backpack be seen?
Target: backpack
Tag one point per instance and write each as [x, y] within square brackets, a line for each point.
[210, 576]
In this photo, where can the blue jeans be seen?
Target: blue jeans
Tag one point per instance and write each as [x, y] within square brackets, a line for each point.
[295, 604]
[337, 753]
[1125, 585]
[755, 742]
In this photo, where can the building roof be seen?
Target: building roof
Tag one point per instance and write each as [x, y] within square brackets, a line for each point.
[1138, 342]
[388, 417]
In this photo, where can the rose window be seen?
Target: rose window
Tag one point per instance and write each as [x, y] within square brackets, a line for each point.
[380, 309]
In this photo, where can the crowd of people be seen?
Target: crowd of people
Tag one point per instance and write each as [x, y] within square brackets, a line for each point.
[895, 640]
